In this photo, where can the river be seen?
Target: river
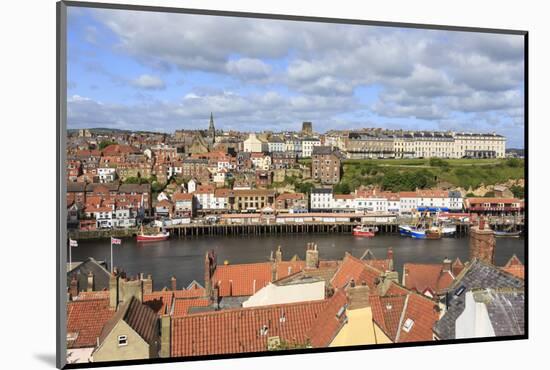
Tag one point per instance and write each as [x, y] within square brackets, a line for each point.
[184, 257]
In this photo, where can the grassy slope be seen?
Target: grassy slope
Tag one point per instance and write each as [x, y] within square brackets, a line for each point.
[464, 173]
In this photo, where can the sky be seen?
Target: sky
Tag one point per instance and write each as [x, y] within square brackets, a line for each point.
[161, 72]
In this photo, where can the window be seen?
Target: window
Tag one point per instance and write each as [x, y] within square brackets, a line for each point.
[122, 340]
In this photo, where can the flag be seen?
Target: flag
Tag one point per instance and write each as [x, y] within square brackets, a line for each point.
[73, 243]
[116, 241]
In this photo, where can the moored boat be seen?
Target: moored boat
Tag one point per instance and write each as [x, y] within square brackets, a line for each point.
[433, 233]
[448, 230]
[365, 231]
[159, 236]
[507, 234]
[405, 230]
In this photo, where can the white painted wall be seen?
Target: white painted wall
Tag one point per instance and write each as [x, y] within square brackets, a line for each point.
[275, 294]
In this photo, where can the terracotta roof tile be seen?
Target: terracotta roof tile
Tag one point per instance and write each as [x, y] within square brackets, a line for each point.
[85, 320]
[386, 312]
[421, 311]
[356, 269]
[241, 280]
[238, 331]
[330, 321]
[182, 305]
[420, 277]
[286, 268]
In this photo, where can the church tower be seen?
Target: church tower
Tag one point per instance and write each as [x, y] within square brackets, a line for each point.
[211, 128]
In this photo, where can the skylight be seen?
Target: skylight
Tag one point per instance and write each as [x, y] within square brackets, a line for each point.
[407, 326]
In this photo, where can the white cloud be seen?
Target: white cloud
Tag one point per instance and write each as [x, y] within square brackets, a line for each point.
[148, 82]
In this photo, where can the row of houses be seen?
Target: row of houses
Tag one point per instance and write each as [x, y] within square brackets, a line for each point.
[293, 303]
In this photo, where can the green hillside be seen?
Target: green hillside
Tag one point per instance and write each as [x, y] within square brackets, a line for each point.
[409, 174]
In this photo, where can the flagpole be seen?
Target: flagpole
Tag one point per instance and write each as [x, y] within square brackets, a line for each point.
[70, 256]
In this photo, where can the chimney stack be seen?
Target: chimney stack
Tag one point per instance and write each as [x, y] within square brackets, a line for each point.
[147, 284]
[482, 243]
[113, 291]
[312, 256]
[278, 254]
[90, 287]
[173, 283]
[165, 336]
[390, 258]
[447, 264]
[73, 289]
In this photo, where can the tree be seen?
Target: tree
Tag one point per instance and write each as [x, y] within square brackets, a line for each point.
[518, 191]
[342, 188]
[489, 194]
[470, 195]
[106, 143]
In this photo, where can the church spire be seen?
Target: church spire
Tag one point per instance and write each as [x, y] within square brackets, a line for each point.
[211, 128]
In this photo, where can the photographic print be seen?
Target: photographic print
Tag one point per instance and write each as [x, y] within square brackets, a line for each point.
[245, 185]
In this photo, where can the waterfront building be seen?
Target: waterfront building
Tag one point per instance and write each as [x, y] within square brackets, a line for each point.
[495, 206]
[291, 202]
[253, 200]
[184, 205]
[321, 199]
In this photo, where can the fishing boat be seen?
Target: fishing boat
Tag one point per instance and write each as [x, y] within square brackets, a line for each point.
[448, 230]
[433, 233]
[507, 234]
[365, 231]
[418, 233]
[405, 230]
[159, 236]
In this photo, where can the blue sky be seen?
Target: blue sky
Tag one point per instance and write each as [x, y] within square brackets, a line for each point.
[162, 72]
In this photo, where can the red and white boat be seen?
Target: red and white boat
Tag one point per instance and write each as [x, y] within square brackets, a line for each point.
[366, 231]
[160, 236]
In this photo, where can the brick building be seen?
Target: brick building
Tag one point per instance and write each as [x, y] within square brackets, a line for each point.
[326, 165]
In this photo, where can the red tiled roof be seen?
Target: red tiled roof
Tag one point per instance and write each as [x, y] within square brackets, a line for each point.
[420, 276]
[286, 268]
[457, 266]
[343, 196]
[328, 323]
[356, 269]
[421, 311]
[241, 280]
[160, 302]
[182, 196]
[84, 295]
[238, 331]
[85, 320]
[386, 312]
[182, 305]
[381, 265]
[515, 267]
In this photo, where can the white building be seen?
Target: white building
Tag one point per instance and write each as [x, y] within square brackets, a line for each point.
[253, 144]
[192, 186]
[260, 161]
[275, 144]
[321, 199]
[307, 146]
[343, 202]
[370, 202]
[106, 174]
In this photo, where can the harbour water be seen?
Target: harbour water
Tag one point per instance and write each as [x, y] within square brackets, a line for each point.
[184, 257]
